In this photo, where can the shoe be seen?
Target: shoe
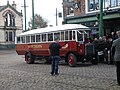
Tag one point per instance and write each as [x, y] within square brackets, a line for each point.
[56, 73]
[52, 74]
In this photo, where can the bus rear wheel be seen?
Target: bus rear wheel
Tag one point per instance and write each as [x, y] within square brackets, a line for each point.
[72, 60]
[29, 58]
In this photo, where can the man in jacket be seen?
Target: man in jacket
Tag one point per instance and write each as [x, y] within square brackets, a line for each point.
[54, 49]
[116, 45]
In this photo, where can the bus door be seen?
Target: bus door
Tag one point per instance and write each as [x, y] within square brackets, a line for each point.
[80, 42]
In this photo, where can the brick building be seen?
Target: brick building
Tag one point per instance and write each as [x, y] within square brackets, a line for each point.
[87, 13]
[10, 25]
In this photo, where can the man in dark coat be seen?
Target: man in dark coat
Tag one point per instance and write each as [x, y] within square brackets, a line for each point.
[54, 49]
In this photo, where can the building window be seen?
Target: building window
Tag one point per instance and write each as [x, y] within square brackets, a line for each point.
[10, 36]
[106, 4]
[9, 19]
[6, 36]
[113, 3]
[95, 4]
[118, 2]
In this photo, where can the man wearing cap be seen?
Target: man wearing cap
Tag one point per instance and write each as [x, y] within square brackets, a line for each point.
[116, 46]
[54, 49]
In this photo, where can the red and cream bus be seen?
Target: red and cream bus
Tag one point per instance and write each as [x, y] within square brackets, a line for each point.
[35, 43]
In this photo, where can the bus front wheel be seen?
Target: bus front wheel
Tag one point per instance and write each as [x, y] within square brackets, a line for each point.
[72, 60]
[29, 58]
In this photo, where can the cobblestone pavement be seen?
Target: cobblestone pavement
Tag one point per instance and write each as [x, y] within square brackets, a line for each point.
[15, 74]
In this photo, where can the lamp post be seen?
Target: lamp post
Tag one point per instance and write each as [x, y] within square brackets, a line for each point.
[25, 13]
[33, 17]
[56, 18]
[101, 31]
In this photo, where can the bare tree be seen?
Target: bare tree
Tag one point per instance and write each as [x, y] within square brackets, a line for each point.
[39, 22]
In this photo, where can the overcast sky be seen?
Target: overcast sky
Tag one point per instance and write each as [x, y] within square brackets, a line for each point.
[46, 8]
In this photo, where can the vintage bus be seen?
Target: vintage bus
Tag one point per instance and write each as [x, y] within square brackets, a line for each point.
[34, 44]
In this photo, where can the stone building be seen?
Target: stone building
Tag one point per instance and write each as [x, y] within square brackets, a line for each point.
[10, 25]
[87, 12]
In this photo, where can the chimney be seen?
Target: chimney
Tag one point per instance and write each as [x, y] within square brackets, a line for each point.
[14, 5]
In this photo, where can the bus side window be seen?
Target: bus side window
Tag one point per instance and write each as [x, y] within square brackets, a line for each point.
[27, 39]
[70, 35]
[50, 36]
[37, 38]
[73, 35]
[23, 39]
[57, 35]
[33, 38]
[43, 37]
[62, 36]
[18, 39]
[66, 35]
[80, 36]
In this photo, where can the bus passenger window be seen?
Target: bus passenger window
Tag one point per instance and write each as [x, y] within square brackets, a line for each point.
[43, 37]
[66, 35]
[80, 36]
[73, 36]
[50, 37]
[23, 39]
[37, 38]
[70, 35]
[56, 35]
[18, 39]
[33, 38]
[27, 39]
[62, 36]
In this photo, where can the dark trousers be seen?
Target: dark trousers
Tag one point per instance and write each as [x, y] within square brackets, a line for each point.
[106, 55]
[111, 58]
[54, 64]
[118, 71]
[101, 56]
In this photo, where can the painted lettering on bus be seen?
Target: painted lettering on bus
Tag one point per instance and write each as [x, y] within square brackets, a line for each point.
[35, 46]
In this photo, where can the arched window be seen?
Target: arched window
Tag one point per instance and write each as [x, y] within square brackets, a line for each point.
[9, 19]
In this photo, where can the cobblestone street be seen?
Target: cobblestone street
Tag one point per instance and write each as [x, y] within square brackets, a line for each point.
[15, 74]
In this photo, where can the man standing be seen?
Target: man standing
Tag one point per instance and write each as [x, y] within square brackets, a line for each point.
[54, 49]
[116, 46]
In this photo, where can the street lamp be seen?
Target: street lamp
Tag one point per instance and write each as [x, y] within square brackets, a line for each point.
[58, 14]
[101, 31]
[25, 13]
[33, 17]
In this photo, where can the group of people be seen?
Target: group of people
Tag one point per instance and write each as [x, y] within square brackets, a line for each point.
[103, 52]
[107, 50]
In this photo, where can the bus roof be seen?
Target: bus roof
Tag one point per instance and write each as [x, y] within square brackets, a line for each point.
[56, 28]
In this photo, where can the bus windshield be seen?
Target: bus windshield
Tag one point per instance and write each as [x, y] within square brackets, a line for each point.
[81, 35]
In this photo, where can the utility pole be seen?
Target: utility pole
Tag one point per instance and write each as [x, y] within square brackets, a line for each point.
[25, 13]
[33, 17]
[56, 18]
[101, 31]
